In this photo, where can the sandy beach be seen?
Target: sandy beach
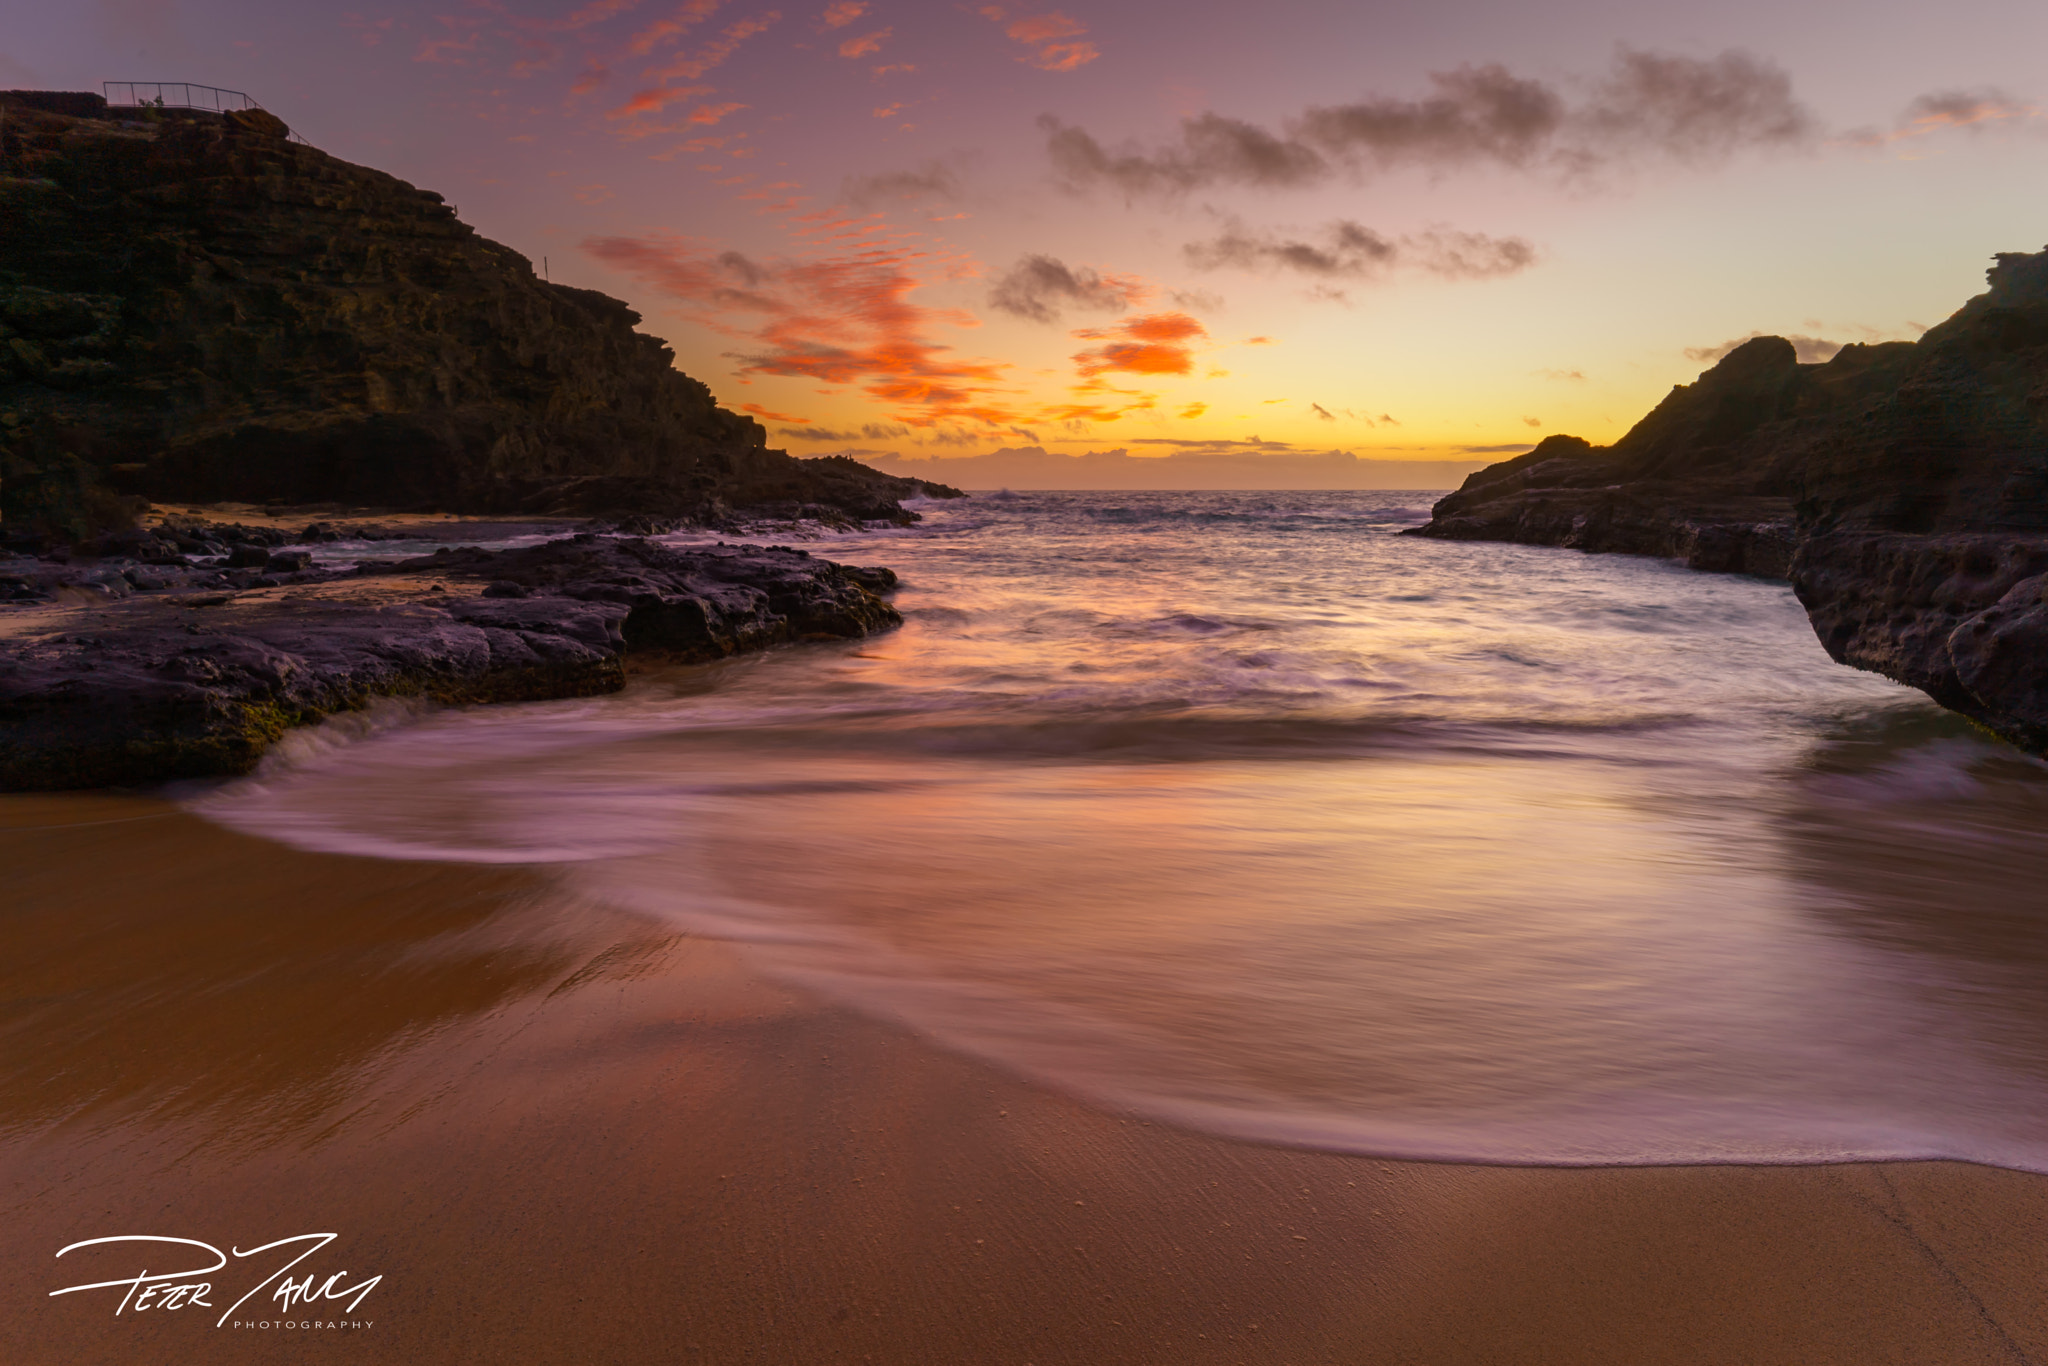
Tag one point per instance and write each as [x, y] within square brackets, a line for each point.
[562, 1134]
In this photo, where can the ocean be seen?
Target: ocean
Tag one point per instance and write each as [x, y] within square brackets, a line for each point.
[1242, 812]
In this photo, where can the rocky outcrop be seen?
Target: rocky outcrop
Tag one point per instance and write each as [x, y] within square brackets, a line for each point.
[195, 308]
[123, 672]
[1903, 489]
[1924, 520]
[1709, 477]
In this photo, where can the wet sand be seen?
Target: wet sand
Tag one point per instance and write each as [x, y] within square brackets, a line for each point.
[563, 1134]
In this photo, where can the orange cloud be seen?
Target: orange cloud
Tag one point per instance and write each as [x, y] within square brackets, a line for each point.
[594, 13]
[461, 38]
[866, 44]
[1044, 28]
[1042, 33]
[1156, 344]
[1063, 56]
[843, 13]
[682, 21]
[715, 53]
[843, 320]
[1075, 414]
[1194, 410]
[689, 68]
[758, 411]
[654, 100]
[1937, 113]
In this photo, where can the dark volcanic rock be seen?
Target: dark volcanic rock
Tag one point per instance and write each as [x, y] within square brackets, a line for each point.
[697, 604]
[141, 685]
[1903, 489]
[1708, 477]
[1925, 518]
[193, 308]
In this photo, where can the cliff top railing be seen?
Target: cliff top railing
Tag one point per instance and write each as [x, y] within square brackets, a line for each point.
[177, 95]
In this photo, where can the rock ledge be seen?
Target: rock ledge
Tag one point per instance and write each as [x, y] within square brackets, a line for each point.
[119, 673]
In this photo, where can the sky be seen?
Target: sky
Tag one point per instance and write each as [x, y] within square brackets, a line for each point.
[1301, 236]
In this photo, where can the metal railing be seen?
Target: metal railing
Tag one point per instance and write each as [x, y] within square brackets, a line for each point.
[180, 95]
[176, 95]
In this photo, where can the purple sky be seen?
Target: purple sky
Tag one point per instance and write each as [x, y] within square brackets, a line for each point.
[1400, 231]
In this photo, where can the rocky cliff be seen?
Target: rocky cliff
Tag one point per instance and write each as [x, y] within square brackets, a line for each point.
[194, 307]
[1903, 489]
[1710, 476]
[1924, 517]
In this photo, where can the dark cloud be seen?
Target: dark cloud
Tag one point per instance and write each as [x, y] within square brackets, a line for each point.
[1648, 106]
[1973, 109]
[1037, 286]
[1250, 443]
[742, 268]
[873, 431]
[933, 180]
[1476, 114]
[1213, 149]
[1691, 110]
[1195, 300]
[1324, 413]
[1518, 448]
[1809, 350]
[1347, 250]
[1466, 255]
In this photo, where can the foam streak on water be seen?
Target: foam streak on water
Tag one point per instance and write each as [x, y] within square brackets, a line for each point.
[1239, 810]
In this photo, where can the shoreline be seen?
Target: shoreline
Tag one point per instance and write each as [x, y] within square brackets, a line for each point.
[560, 1133]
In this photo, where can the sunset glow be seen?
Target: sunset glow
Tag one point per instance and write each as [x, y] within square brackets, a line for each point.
[925, 230]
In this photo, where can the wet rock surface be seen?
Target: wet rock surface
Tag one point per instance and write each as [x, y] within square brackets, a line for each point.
[1902, 489]
[114, 671]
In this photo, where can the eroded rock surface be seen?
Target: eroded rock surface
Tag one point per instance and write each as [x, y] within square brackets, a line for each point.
[117, 672]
